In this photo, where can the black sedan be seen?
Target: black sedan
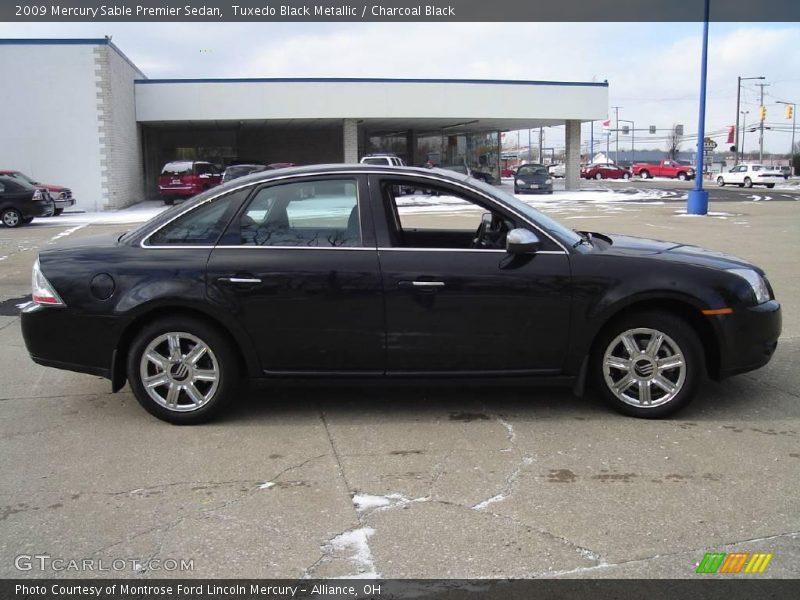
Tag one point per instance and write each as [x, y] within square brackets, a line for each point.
[20, 202]
[535, 179]
[330, 272]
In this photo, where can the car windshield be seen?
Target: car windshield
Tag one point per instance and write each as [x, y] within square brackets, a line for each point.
[177, 168]
[565, 234]
[531, 170]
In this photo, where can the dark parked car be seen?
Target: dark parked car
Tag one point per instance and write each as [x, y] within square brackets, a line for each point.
[533, 179]
[186, 178]
[61, 196]
[258, 279]
[236, 171]
[605, 171]
[20, 202]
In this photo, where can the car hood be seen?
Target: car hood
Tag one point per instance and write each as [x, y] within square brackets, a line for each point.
[625, 245]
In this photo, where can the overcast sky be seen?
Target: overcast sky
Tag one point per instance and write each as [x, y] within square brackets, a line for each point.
[652, 69]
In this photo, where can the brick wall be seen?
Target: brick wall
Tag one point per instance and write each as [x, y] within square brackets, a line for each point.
[121, 173]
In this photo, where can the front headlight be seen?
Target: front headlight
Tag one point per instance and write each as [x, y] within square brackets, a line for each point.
[519, 182]
[757, 283]
[548, 181]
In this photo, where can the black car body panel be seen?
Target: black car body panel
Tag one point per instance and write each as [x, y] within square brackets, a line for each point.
[19, 195]
[357, 311]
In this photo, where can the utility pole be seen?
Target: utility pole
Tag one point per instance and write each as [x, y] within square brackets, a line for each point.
[616, 128]
[744, 129]
[529, 145]
[697, 199]
[738, 111]
[591, 141]
[541, 145]
[761, 125]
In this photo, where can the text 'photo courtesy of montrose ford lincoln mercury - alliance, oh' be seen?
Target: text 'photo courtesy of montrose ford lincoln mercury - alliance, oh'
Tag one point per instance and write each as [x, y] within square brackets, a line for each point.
[340, 271]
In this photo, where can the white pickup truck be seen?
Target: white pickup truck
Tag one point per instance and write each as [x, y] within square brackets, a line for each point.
[748, 175]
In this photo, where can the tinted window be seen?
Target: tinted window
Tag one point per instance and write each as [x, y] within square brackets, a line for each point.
[177, 168]
[201, 226]
[318, 213]
[375, 161]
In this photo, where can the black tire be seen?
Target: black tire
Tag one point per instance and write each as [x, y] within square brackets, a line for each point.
[598, 176]
[683, 176]
[626, 176]
[169, 201]
[11, 218]
[57, 212]
[770, 186]
[748, 183]
[644, 174]
[222, 355]
[720, 181]
[679, 337]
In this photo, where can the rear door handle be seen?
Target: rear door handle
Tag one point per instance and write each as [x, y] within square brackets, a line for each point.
[420, 285]
[241, 280]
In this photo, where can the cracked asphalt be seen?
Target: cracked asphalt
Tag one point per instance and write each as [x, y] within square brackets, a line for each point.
[424, 482]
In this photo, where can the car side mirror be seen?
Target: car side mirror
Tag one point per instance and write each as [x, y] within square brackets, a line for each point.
[522, 241]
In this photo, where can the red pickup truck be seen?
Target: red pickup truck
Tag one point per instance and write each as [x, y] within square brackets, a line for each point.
[666, 168]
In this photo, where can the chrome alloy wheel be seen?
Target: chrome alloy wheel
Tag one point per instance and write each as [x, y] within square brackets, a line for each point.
[644, 367]
[179, 371]
[11, 218]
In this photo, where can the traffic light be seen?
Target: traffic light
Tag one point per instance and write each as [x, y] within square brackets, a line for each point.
[678, 129]
[762, 113]
[789, 111]
[625, 130]
[652, 128]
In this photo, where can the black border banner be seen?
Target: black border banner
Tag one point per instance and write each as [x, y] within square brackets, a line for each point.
[396, 10]
[702, 586]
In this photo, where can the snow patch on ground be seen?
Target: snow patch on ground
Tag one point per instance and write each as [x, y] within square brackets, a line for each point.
[712, 214]
[266, 485]
[356, 542]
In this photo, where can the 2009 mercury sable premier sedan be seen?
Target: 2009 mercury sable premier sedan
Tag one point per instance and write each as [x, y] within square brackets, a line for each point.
[353, 271]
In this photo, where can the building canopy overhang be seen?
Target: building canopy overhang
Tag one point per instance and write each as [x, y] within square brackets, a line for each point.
[382, 106]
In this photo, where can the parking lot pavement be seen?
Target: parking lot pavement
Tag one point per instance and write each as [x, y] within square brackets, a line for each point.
[458, 481]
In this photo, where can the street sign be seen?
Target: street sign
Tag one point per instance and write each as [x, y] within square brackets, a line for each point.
[709, 145]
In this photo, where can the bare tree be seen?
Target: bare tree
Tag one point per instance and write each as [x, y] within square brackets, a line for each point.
[674, 142]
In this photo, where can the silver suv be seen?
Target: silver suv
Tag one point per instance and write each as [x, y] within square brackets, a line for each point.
[389, 160]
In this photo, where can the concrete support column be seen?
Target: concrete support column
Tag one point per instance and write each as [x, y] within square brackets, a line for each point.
[411, 147]
[350, 140]
[572, 162]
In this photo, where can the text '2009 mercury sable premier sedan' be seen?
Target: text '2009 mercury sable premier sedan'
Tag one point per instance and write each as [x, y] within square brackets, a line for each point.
[345, 271]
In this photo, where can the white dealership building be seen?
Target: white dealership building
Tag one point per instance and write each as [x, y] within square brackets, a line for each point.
[79, 113]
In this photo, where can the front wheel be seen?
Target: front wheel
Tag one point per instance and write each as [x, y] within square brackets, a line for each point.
[720, 182]
[11, 217]
[182, 370]
[648, 364]
[682, 176]
[644, 175]
[598, 175]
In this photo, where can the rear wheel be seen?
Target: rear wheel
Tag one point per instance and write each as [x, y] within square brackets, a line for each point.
[598, 175]
[182, 370]
[57, 212]
[169, 201]
[748, 183]
[626, 176]
[770, 186]
[648, 364]
[11, 217]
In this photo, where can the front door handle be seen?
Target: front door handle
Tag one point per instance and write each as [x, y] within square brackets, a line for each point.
[241, 280]
[420, 285]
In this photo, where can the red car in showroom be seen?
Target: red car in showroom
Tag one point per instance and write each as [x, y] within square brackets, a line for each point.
[186, 178]
[605, 171]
